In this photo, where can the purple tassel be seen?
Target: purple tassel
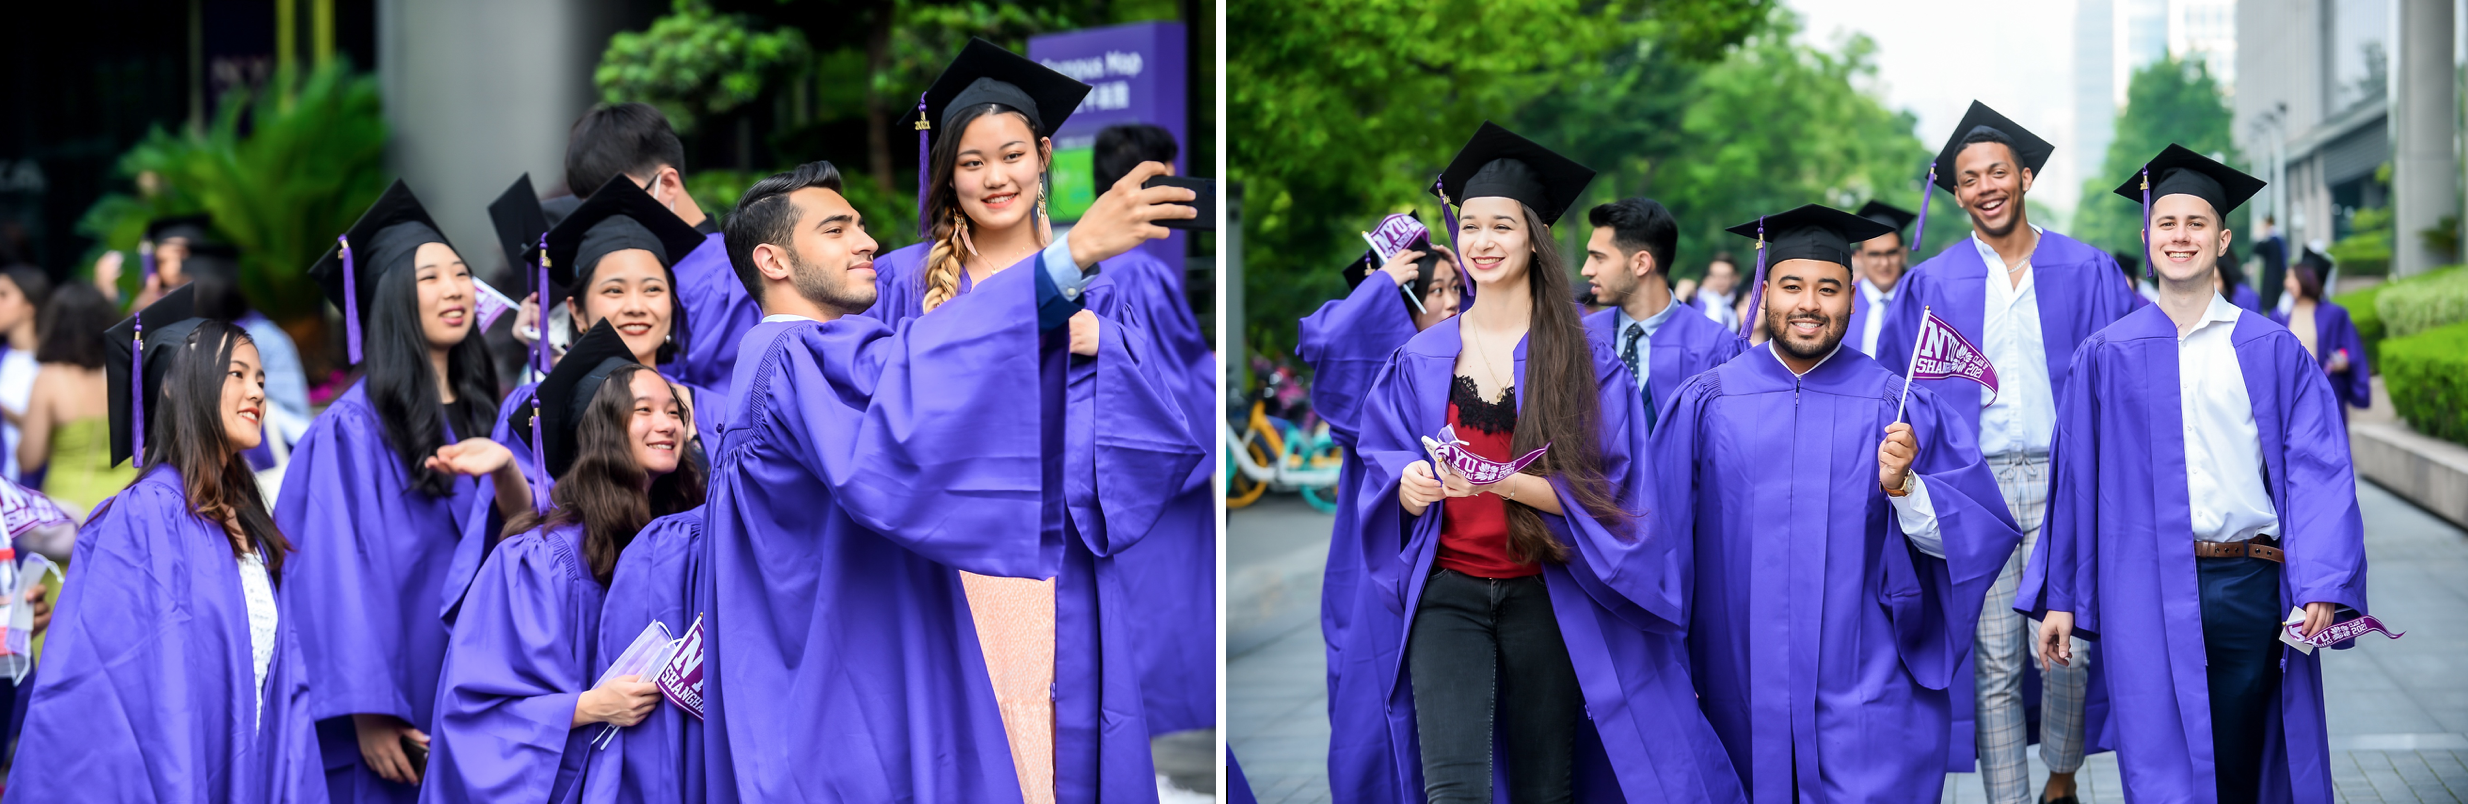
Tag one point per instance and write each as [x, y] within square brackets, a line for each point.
[2150, 266]
[1756, 295]
[539, 452]
[1448, 214]
[1927, 189]
[351, 303]
[924, 172]
[137, 393]
[539, 345]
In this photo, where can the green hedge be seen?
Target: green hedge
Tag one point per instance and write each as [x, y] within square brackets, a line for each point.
[2432, 300]
[2427, 376]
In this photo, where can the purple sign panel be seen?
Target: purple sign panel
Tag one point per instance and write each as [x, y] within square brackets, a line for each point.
[1136, 74]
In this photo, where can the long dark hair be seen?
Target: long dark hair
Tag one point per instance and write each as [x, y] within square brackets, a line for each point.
[403, 388]
[72, 324]
[184, 430]
[603, 490]
[941, 277]
[1562, 404]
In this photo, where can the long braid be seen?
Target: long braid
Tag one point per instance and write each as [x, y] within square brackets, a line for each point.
[943, 266]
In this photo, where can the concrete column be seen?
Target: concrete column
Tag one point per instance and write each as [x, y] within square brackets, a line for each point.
[2425, 170]
[477, 93]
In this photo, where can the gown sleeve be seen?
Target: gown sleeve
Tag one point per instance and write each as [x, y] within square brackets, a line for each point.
[1933, 628]
[1638, 571]
[1346, 342]
[517, 662]
[1388, 445]
[2062, 573]
[339, 471]
[1119, 473]
[2325, 539]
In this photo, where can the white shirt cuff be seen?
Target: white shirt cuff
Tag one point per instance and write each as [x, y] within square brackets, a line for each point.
[1069, 277]
[1919, 518]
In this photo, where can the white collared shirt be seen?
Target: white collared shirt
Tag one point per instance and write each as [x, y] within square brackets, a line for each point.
[1916, 514]
[2020, 417]
[1878, 302]
[2223, 448]
[1721, 313]
[779, 317]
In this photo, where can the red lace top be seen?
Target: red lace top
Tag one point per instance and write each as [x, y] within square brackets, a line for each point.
[1474, 530]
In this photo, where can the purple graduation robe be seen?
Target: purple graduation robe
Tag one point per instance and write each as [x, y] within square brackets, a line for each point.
[2117, 550]
[520, 656]
[1346, 343]
[2079, 290]
[1621, 600]
[2245, 298]
[866, 463]
[2334, 331]
[366, 583]
[660, 758]
[1822, 641]
[1686, 346]
[1127, 484]
[148, 686]
[718, 313]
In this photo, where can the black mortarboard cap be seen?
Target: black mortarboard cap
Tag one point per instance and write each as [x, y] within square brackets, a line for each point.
[168, 322]
[2028, 147]
[1894, 217]
[1812, 232]
[385, 238]
[196, 229]
[1498, 163]
[619, 216]
[566, 393]
[520, 223]
[986, 73]
[2180, 171]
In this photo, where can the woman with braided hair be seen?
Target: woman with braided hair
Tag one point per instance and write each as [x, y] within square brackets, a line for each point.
[1066, 653]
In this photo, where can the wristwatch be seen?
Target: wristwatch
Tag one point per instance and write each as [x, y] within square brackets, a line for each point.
[1902, 491]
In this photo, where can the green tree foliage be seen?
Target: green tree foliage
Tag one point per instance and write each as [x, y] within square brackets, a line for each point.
[697, 62]
[281, 180]
[2170, 101]
[1340, 115]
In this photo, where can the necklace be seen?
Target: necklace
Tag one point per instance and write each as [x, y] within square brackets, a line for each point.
[1484, 353]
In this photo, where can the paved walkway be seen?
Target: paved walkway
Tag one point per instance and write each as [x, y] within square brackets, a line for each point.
[2398, 709]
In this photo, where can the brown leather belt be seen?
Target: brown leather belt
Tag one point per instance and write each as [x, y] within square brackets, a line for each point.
[2262, 547]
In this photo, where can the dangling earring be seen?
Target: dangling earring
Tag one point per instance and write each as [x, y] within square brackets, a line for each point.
[1045, 225]
[959, 223]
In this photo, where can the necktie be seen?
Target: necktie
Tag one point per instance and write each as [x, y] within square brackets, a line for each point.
[1628, 354]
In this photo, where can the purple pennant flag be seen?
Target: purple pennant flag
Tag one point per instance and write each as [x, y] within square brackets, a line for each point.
[2293, 632]
[681, 679]
[1476, 469]
[23, 509]
[493, 304]
[1397, 233]
[1943, 353]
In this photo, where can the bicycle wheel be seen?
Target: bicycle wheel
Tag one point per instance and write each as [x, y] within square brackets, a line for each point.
[1240, 489]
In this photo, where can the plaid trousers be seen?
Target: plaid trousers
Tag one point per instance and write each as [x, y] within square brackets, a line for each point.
[2004, 643]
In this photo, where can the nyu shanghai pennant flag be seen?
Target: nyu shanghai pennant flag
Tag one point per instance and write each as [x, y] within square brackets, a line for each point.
[1943, 353]
[681, 678]
[23, 509]
[1398, 233]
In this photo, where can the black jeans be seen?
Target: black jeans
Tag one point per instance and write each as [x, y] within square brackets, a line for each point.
[2240, 637]
[1482, 647]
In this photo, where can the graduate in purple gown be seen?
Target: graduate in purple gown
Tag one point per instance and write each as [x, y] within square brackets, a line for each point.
[1843, 539]
[519, 698]
[2203, 492]
[866, 466]
[172, 674]
[2327, 333]
[1346, 343]
[635, 141]
[2026, 297]
[1880, 266]
[2234, 286]
[661, 757]
[375, 526]
[1546, 597]
[1137, 588]
[1633, 243]
[612, 260]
